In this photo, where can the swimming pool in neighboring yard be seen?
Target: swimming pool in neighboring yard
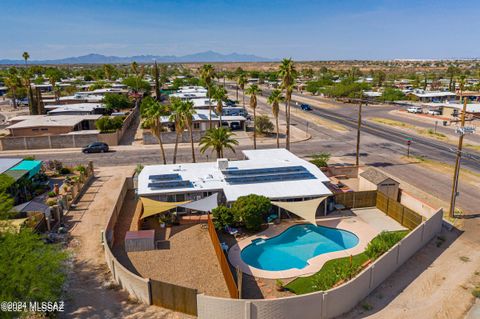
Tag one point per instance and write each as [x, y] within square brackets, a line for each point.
[295, 246]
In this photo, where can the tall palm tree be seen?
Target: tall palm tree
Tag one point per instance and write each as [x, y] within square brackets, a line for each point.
[218, 139]
[188, 111]
[275, 99]
[241, 81]
[219, 94]
[152, 111]
[253, 90]
[177, 117]
[156, 77]
[25, 57]
[287, 73]
[207, 74]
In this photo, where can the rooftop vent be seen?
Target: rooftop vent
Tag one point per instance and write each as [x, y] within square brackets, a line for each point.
[222, 164]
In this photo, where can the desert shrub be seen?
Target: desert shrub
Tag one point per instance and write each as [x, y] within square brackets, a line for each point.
[51, 202]
[65, 171]
[80, 168]
[383, 242]
[51, 194]
[250, 210]
[222, 217]
[321, 159]
[29, 158]
[263, 125]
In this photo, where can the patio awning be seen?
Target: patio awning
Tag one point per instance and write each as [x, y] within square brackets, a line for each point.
[205, 204]
[152, 207]
[305, 209]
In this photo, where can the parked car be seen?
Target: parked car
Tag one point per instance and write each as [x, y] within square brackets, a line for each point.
[434, 112]
[305, 107]
[235, 126]
[96, 147]
[414, 109]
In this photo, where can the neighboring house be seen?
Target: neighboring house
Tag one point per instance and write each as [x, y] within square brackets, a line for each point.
[433, 96]
[373, 179]
[37, 125]
[76, 109]
[190, 96]
[201, 120]
[21, 173]
[455, 109]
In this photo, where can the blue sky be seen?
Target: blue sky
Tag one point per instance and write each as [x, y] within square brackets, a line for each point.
[304, 30]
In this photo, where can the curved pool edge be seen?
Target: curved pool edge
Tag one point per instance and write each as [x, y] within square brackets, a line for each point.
[351, 224]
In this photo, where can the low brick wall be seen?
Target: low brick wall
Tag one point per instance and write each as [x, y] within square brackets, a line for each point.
[169, 137]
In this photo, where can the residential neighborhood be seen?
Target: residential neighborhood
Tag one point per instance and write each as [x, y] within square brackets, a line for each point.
[315, 180]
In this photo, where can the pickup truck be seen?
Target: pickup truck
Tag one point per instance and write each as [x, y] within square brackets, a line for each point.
[414, 109]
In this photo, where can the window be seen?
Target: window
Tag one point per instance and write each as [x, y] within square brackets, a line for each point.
[196, 126]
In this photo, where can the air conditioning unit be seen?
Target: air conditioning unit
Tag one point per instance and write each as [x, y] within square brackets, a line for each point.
[222, 164]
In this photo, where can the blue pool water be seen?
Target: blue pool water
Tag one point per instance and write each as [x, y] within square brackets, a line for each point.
[295, 246]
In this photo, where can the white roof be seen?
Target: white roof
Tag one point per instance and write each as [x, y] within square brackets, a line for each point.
[207, 177]
[7, 163]
[192, 95]
[433, 94]
[471, 107]
[372, 94]
[58, 120]
[79, 107]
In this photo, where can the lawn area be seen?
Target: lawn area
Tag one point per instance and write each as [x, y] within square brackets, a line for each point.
[341, 269]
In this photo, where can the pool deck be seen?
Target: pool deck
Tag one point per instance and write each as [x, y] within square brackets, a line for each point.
[365, 224]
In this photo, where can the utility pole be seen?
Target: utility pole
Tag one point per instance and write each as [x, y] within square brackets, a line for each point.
[357, 161]
[458, 160]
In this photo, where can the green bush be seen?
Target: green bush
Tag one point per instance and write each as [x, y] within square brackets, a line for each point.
[51, 202]
[29, 158]
[80, 168]
[51, 194]
[321, 159]
[250, 210]
[383, 242]
[114, 101]
[108, 124]
[263, 125]
[65, 171]
[222, 217]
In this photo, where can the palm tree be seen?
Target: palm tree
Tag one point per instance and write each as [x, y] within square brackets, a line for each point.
[218, 139]
[12, 81]
[241, 81]
[219, 94]
[177, 117]
[188, 111]
[156, 77]
[288, 74]
[253, 90]
[274, 99]
[26, 56]
[207, 74]
[152, 111]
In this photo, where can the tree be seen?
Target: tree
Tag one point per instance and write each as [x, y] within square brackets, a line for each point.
[219, 94]
[275, 99]
[177, 117]
[30, 270]
[137, 84]
[114, 101]
[152, 111]
[241, 81]
[54, 75]
[188, 111]
[6, 201]
[218, 139]
[156, 77]
[25, 57]
[109, 124]
[452, 71]
[253, 90]
[391, 94]
[12, 81]
[222, 217]
[250, 210]
[321, 159]
[207, 74]
[263, 125]
[287, 73]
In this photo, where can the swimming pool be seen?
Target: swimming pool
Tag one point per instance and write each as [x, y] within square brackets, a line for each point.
[295, 246]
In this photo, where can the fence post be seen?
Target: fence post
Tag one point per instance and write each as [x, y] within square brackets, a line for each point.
[403, 215]
[150, 300]
[323, 315]
[423, 230]
[398, 251]
[372, 268]
[248, 310]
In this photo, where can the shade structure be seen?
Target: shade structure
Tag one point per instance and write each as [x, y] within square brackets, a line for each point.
[152, 207]
[305, 209]
[204, 205]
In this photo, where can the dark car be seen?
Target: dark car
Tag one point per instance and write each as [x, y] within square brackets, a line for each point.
[305, 107]
[96, 147]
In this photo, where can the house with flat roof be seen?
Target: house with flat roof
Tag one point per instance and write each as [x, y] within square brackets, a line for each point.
[275, 173]
[433, 96]
[201, 120]
[76, 109]
[37, 125]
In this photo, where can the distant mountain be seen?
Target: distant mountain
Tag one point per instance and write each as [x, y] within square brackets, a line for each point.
[208, 56]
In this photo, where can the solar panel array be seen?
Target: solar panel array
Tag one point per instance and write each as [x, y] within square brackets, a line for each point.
[265, 175]
[168, 181]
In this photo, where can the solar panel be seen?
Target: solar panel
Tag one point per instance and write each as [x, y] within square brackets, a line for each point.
[170, 184]
[266, 178]
[264, 171]
[165, 177]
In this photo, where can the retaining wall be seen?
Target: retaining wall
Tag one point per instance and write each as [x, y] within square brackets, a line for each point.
[333, 302]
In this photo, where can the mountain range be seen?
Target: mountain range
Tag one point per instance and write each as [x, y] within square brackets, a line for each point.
[93, 58]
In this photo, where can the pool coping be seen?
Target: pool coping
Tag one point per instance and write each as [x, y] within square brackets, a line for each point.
[353, 224]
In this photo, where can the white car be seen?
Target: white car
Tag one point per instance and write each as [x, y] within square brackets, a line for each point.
[434, 112]
[414, 109]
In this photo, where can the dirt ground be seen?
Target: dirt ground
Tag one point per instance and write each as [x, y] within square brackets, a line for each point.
[88, 289]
